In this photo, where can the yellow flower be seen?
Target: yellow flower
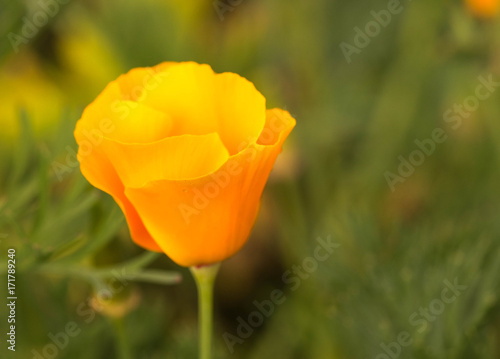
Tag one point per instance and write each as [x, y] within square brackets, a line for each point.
[186, 154]
[484, 8]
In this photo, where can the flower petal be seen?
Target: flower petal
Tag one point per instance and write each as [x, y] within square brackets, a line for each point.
[99, 171]
[123, 121]
[110, 117]
[137, 123]
[241, 110]
[136, 84]
[201, 102]
[214, 213]
[100, 109]
[174, 158]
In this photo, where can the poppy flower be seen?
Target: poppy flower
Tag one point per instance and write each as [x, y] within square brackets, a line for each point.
[186, 153]
[484, 8]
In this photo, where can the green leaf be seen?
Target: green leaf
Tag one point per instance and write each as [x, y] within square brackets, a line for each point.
[21, 157]
[155, 276]
[92, 242]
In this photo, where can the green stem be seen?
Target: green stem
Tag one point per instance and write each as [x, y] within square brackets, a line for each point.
[205, 278]
[124, 351]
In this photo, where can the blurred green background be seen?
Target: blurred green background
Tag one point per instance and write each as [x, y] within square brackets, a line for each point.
[411, 215]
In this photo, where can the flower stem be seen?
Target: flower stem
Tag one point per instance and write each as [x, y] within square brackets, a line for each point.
[122, 340]
[205, 278]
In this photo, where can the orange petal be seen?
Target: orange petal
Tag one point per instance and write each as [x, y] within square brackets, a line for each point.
[118, 103]
[123, 121]
[241, 110]
[208, 219]
[99, 171]
[201, 102]
[100, 110]
[173, 158]
[136, 123]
